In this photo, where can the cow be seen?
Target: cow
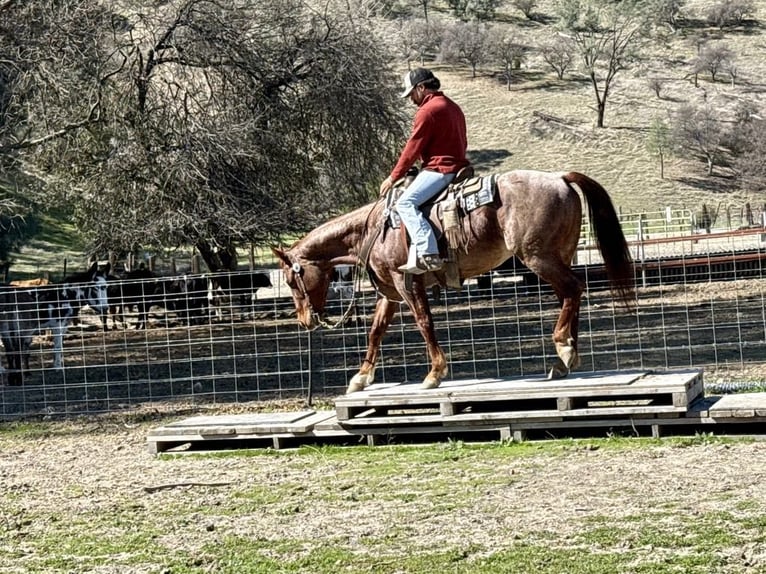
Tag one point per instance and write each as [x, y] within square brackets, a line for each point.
[227, 290]
[25, 313]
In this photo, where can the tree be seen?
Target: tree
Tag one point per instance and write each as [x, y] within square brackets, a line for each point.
[417, 39]
[483, 10]
[667, 12]
[558, 53]
[466, 43]
[526, 7]
[607, 39]
[699, 132]
[749, 146]
[713, 58]
[729, 13]
[656, 84]
[209, 123]
[424, 4]
[504, 44]
[658, 142]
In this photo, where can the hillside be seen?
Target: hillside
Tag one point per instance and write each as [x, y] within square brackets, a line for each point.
[502, 122]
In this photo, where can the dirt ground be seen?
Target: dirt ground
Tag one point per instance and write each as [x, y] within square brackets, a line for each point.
[105, 468]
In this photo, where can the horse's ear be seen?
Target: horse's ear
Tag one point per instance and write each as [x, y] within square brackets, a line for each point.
[280, 254]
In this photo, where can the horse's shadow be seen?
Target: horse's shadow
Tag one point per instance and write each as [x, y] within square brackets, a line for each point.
[487, 160]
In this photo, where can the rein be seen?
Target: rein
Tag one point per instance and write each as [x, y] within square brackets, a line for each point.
[316, 316]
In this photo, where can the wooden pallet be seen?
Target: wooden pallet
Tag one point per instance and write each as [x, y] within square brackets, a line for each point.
[260, 429]
[603, 395]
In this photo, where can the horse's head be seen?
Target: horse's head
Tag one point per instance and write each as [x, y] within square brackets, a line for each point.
[308, 283]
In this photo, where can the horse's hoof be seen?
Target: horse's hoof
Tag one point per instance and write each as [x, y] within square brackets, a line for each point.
[430, 383]
[558, 371]
[568, 355]
[360, 382]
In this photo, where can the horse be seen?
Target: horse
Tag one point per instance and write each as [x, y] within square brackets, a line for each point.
[534, 215]
[135, 288]
[232, 289]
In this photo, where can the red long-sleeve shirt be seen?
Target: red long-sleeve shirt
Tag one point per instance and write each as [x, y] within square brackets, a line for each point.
[438, 138]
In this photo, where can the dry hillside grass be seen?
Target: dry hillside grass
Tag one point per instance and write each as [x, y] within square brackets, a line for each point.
[501, 121]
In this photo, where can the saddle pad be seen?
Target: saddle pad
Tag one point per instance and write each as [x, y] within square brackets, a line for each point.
[476, 192]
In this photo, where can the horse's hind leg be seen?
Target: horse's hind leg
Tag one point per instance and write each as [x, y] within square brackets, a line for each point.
[568, 288]
[384, 312]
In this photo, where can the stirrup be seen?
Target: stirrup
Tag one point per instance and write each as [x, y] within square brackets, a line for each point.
[424, 264]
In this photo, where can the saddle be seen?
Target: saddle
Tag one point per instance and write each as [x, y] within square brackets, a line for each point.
[446, 212]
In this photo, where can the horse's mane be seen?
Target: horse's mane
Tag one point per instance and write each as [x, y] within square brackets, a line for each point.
[338, 236]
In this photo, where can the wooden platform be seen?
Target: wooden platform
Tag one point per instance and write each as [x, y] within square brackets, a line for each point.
[602, 394]
[501, 408]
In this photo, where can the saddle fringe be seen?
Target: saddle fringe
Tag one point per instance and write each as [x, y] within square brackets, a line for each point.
[454, 232]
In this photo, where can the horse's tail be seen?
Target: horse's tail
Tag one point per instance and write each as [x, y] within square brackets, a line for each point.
[609, 237]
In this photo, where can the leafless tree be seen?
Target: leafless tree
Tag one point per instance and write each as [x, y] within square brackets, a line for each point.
[698, 131]
[729, 13]
[656, 84]
[607, 39]
[507, 47]
[751, 163]
[526, 7]
[558, 53]
[424, 4]
[466, 43]
[416, 39]
[482, 10]
[666, 12]
[713, 58]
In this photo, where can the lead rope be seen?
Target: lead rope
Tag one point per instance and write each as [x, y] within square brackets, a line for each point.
[351, 307]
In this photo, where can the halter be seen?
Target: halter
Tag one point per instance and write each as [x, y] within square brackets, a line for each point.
[297, 269]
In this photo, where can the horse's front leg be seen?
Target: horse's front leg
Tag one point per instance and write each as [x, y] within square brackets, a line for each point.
[384, 312]
[421, 310]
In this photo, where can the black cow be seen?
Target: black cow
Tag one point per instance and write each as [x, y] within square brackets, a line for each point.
[227, 290]
[26, 312]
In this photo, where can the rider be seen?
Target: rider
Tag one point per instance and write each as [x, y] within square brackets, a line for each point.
[439, 140]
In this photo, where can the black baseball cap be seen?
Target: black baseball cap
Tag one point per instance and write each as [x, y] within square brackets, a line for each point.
[415, 77]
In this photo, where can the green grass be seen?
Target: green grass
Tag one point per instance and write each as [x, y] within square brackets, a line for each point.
[57, 246]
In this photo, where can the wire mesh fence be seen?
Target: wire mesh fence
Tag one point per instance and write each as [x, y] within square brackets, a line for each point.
[196, 343]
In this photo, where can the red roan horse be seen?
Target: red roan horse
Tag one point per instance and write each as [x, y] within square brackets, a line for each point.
[535, 216]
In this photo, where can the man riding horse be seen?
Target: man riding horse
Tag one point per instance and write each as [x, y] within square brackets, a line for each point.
[439, 140]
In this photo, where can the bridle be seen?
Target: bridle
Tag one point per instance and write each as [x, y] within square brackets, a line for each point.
[316, 317]
[361, 264]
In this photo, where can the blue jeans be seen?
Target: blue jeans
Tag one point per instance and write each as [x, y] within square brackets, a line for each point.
[423, 187]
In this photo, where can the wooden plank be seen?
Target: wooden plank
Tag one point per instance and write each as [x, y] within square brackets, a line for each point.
[606, 394]
[603, 414]
[236, 424]
[739, 405]
[484, 389]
